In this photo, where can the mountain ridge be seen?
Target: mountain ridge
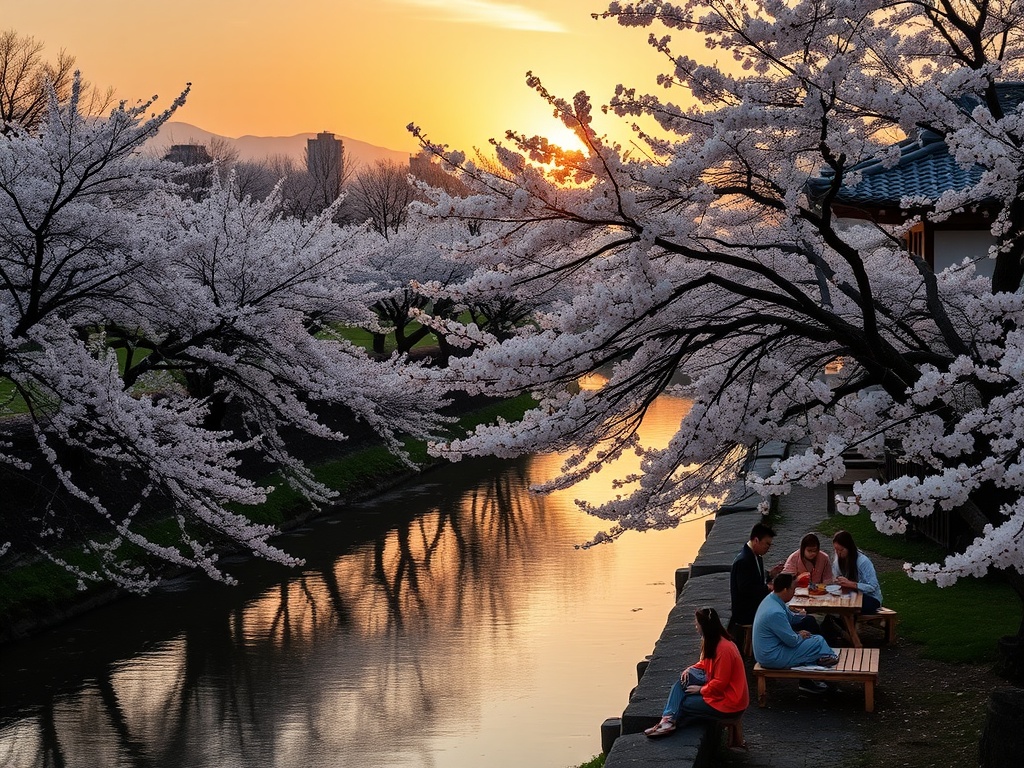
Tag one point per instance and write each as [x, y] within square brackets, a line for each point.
[251, 147]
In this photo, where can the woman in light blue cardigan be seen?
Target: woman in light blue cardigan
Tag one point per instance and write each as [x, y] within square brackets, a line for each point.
[853, 570]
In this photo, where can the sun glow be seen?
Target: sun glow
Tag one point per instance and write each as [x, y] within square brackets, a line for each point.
[361, 70]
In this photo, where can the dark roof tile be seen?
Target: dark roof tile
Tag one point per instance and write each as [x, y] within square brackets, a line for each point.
[925, 168]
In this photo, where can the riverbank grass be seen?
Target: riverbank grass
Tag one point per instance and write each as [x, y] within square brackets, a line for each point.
[41, 586]
[961, 623]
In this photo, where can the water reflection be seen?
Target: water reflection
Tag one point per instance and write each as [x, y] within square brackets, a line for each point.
[443, 641]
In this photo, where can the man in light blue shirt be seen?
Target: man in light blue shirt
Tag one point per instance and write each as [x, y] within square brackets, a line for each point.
[777, 645]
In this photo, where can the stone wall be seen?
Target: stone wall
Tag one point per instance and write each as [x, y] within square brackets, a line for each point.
[679, 645]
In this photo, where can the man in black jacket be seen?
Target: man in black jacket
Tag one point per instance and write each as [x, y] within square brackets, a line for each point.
[748, 581]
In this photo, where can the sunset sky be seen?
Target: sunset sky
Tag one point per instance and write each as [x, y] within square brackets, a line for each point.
[359, 68]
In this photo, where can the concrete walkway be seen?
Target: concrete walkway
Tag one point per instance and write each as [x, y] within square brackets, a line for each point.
[795, 729]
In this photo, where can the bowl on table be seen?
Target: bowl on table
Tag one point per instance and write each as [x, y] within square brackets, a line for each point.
[833, 589]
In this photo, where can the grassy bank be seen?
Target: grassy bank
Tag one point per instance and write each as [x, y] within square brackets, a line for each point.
[39, 592]
[369, 468]
[960, 623]
[937, 679]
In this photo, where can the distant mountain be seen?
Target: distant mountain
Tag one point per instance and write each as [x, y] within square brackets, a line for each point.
[260, 147]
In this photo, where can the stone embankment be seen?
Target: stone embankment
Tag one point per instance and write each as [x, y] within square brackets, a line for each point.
[679, 645]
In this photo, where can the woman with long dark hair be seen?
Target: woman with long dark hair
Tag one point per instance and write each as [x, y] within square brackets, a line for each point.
[854, 571]
[713, 688]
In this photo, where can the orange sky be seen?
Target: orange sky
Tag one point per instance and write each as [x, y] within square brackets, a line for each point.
[359, 68]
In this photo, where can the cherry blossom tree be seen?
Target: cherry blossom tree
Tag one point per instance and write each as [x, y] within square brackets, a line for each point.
[717, 252]
[243, 303]
[414, 256]
[164, 347]
[426, 273]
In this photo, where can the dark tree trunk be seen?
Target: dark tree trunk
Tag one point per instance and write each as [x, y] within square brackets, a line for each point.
[202, 385]
[217, 405]
[1002, 736]
[1009, 269]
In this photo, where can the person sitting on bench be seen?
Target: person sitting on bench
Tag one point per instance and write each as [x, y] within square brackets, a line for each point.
[854, 570]
[810, 560]
[714, 688]
[778, 645]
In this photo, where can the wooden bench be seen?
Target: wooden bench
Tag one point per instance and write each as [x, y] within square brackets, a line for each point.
[858, 665]
[887, 618]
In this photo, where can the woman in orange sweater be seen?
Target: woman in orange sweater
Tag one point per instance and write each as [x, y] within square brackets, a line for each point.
[714, 687]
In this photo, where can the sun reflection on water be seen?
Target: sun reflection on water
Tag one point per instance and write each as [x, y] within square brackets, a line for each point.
[474, 624]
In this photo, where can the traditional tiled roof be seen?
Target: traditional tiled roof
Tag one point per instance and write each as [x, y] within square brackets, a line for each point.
[925, 168]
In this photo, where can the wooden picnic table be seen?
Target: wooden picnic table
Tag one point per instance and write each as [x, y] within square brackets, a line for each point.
[846, 606]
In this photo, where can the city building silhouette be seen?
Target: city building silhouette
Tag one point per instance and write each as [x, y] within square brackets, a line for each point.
[325, 163]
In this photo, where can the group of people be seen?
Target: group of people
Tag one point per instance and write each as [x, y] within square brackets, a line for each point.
[716, 686]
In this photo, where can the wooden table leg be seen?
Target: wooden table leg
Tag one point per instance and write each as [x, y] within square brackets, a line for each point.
[851, 629]
[869, 696]
[762, 692]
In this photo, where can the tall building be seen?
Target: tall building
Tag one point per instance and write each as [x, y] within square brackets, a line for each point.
[325, 162]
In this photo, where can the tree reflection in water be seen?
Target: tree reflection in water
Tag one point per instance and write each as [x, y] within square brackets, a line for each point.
[247, 688]
[370, 658]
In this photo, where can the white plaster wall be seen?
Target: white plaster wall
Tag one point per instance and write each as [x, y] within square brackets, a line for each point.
[953, 246]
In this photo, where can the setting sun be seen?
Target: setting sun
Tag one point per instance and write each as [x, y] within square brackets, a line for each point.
[364, 70]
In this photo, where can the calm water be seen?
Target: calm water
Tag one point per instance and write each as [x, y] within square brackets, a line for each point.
[451, 624]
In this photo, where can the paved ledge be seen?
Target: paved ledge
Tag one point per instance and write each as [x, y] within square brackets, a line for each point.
[738, 498]
[723, 542]
[676, 649]
[635, 750]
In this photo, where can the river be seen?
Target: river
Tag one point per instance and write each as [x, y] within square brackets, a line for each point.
[449, 624]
